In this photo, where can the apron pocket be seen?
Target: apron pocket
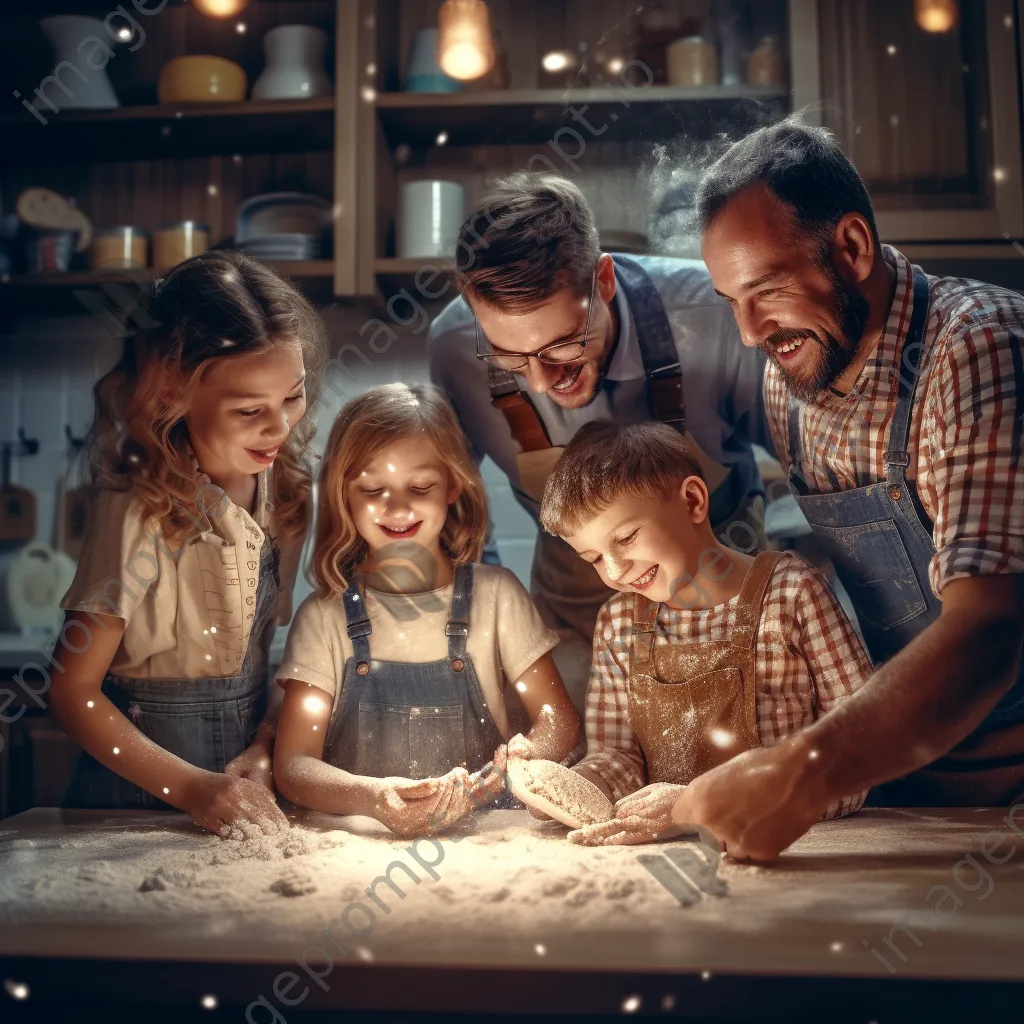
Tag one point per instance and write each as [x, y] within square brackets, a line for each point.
[409, 742]
[876, 572]
[205, 734]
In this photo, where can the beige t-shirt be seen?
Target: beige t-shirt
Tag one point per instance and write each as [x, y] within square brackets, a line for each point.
[506, 636]
[188, 606]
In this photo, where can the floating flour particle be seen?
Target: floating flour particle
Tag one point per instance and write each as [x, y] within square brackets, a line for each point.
[559, 886]
[293, 883]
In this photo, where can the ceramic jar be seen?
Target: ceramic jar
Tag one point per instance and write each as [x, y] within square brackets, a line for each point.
[295, 64]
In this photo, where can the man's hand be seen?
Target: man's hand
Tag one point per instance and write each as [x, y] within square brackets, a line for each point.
[759, 802]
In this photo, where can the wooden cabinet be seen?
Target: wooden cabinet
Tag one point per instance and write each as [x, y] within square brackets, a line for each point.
[634, 143]
[932, 120]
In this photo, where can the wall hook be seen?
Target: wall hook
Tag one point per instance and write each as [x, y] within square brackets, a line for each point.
[76, 444]
[27, 445]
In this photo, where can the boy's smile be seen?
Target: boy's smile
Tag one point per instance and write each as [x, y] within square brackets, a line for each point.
[662, 548]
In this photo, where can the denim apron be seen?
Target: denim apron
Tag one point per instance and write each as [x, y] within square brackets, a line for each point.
[880, 541]
[414, 720]
[207, 722]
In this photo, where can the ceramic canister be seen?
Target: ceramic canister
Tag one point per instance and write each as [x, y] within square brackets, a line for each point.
[432, 213]
[295, 64]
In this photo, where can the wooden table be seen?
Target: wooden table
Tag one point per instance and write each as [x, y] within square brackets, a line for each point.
[520, 921]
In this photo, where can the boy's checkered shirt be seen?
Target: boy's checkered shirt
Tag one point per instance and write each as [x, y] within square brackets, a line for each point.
[808, 658]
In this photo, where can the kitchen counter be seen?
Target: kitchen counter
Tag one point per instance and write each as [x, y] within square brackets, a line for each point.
[507, 910]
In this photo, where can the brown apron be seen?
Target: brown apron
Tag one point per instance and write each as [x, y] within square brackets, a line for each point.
[693, 706]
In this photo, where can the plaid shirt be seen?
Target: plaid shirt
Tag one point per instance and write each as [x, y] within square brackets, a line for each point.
[966, 424]
[808, 658]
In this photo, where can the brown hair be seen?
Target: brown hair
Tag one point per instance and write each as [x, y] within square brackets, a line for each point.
[367, 425]
[216, 306]
[531, 237]
[605, 460]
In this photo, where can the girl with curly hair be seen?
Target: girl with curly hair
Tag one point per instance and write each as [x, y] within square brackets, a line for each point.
[200, 455]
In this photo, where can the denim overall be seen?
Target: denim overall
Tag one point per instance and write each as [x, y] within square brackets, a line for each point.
[410, 719]
[661, 365]
[880, 541]
[207, 722]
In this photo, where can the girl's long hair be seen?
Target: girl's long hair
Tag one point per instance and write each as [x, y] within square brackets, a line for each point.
[219, 305]
[364, 427]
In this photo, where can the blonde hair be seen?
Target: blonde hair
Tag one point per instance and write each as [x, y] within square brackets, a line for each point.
[605, 460]
[212, 307]
[364, 427]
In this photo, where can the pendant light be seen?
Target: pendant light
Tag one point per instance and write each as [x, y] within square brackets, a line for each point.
[936, 15]
[220, 8]
[465, 43]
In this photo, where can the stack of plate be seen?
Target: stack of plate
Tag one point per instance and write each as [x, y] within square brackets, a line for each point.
[284, 226]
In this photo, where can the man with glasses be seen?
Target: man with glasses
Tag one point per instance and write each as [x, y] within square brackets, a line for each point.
[550, 333]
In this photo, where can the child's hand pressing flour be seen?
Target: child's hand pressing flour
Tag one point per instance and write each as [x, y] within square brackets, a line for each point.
[218, 802]
[409, 806]
[641, 817]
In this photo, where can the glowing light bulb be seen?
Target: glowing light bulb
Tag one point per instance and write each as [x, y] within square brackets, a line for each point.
[936, 15]
[220, 8]
[465, 41]
[558, 60]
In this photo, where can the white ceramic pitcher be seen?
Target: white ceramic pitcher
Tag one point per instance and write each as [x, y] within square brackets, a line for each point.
[295, 64]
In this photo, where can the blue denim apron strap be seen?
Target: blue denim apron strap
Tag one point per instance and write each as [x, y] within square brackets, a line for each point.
[457, 627]
[357, 621]
[657, 343]
[895, 457]
[206, 722]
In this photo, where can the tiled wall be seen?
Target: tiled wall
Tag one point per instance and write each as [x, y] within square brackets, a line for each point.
[48, 367]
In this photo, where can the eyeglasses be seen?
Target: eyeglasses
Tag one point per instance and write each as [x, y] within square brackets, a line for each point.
[556, 354]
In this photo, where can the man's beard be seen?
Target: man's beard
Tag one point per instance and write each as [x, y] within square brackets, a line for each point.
[852, 311]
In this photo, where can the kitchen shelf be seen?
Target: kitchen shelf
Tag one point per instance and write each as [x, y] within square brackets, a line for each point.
[534, 115]
[171, 130]
[297, 269]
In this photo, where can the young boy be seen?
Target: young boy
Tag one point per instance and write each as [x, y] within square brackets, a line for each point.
[705, 652]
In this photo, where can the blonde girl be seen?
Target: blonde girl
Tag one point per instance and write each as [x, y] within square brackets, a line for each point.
[400, 671]
[200, 451]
